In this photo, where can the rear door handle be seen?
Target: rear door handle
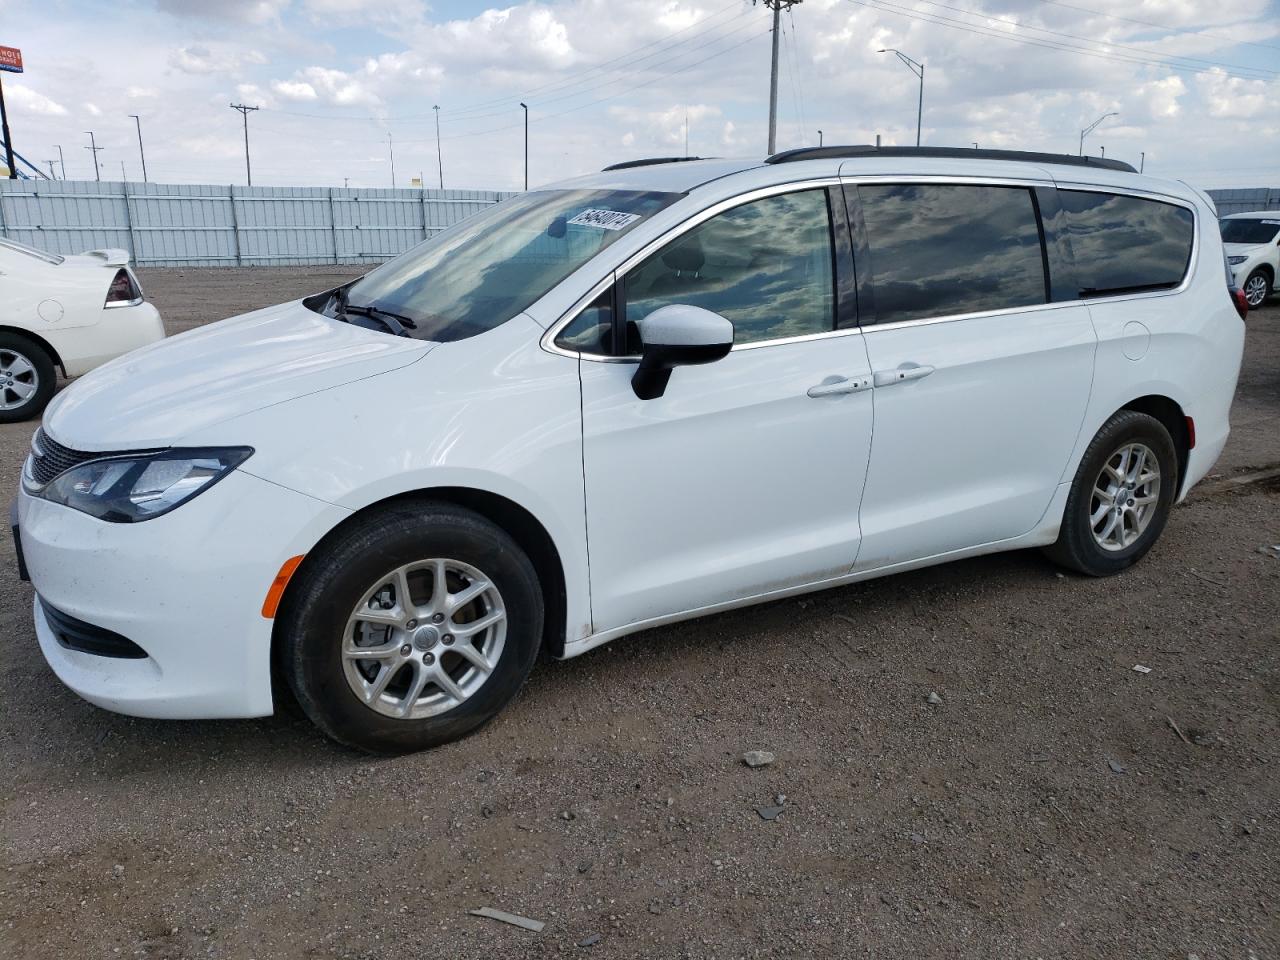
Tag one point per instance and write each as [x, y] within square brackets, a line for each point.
[908, 371]
[834, 386]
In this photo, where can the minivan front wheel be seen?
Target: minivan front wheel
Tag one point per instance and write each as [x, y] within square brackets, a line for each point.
[411, 629]
[1120, 498]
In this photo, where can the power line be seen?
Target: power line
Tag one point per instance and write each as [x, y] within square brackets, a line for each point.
[1158, 26]
[1141, 51]
[665, 43]
[950, 22]
[793, 71]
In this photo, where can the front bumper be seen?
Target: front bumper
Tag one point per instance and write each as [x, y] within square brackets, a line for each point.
[186, 587]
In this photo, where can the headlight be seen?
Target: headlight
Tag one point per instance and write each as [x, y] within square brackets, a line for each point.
[129, 489]
[1235, 260]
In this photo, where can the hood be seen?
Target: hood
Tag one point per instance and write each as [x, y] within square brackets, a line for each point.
[1244, 249]
[154, 396]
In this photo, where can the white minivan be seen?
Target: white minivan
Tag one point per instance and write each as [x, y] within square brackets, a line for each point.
[637, 397]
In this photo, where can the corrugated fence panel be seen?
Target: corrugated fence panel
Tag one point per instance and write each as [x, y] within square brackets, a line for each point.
[1246, 200]
[214, 225]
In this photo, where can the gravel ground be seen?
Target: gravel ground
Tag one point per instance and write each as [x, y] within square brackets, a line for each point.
[1045, 808]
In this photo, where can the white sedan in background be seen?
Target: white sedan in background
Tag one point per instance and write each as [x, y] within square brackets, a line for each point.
[73, 313]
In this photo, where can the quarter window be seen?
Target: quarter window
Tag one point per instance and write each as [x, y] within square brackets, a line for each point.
[941, 249]
[764, 265]
[1123, 244]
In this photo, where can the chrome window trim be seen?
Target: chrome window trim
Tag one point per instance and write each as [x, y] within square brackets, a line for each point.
[720, 206]
[548, 338]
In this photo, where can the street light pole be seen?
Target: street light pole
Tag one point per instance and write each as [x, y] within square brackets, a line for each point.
[244, 112]
[918, 69]
[526, 146]
[61, 162]
[1092, 127]
[819, 138]
[439, 155]
[94, 148]
[141, 153]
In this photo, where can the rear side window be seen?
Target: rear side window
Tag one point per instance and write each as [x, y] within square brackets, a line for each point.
[943, 249]
[1126, 244]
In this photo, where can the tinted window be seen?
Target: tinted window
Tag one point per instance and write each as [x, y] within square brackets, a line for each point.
[488, 268]
[940, 249]
[766, 266]
[1250, 231]
[1126, 243]
[591, 331]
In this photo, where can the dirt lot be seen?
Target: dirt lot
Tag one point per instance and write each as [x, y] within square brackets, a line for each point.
[1046, 808]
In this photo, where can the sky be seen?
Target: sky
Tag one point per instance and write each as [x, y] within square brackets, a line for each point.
[1194, 84]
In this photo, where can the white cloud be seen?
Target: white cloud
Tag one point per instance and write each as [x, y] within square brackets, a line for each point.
[201, 59]
[22, 98]
[294, 89]
[1235, 98]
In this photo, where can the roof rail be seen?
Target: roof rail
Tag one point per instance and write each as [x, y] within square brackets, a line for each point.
[958, 153]
[628, 164]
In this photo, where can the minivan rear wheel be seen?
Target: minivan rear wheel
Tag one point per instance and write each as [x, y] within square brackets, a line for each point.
[1120, 498]
[411, 629]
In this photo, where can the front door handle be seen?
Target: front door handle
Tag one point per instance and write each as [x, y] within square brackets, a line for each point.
[834, 386]
[908, 371]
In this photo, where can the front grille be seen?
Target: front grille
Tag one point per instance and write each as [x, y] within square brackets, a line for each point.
[50, 458]
[77, 635]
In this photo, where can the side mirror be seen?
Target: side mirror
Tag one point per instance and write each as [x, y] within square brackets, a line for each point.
[675, 336]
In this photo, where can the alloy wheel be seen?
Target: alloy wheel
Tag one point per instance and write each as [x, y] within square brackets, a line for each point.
[1125, 497]
[1255, 290]
[19, 379]
[424, 638]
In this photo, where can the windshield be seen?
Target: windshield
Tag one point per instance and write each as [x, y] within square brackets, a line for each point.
[17, 247]
[490, 267]
[1245, 230]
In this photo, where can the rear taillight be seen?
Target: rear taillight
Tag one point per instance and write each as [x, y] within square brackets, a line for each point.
[122, 289]
[1242, 305]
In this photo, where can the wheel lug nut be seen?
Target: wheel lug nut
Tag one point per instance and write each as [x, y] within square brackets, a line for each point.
[447, 639]
[437, 618]
[411, 624]
[405, 650]
[428, 658]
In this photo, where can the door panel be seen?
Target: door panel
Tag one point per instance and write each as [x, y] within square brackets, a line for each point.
[972, 452]
[735, 482]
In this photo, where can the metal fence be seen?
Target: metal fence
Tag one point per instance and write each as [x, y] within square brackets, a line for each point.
[209, 225]
[1246, 200]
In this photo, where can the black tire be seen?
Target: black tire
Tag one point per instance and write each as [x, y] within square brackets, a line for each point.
[332, 581]
[1076, 547]
[1251, 283]
[40, 372]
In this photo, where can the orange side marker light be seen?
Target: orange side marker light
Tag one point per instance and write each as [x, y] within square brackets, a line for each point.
[276, 591]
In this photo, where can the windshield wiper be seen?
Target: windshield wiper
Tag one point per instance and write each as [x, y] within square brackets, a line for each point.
[394, 322]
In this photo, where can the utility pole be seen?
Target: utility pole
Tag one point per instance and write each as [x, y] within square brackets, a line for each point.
[141, 154]
[526, 146]
[777, 6]
[94, 148]
[439, 155]
[61, 162]
[244, 112]
[8, 139]
[918, 69]
[53, 174]
[124, 177]
[392, 151]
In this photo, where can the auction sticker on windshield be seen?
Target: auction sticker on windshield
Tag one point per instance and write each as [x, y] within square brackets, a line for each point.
[605, 219]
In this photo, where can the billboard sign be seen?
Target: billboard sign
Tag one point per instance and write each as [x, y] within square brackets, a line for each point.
[11, 59]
